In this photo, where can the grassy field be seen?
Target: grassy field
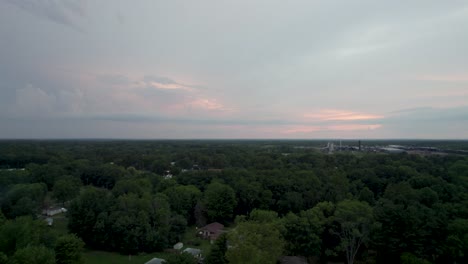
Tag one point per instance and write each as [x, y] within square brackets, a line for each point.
[94, 257]
[102, 257]
[189, 240]
[60, 224]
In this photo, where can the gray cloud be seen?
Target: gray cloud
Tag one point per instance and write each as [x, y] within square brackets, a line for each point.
[261, 68]
[65, 12]
[429, 115]
[159, 79]
[113, 79]
[35, 102]
[120, 18]
[423, 115]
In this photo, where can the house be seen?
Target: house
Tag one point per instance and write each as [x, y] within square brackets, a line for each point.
[167, 175]
[293, 260]
[195, 252]
[211, 231]
[51, 211]
[156, 261]
[178, 246]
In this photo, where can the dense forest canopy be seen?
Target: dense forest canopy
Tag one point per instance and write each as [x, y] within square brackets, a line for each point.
[277, 198]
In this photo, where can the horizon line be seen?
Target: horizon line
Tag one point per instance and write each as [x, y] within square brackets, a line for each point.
[231, 139]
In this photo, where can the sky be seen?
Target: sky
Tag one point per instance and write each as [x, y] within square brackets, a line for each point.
[153, 69]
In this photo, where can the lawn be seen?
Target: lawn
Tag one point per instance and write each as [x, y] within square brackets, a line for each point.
[60, 224]
[93, 256]
[191, 240]
[103, 257]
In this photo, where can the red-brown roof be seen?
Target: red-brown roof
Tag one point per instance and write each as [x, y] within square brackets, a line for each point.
[213, 227]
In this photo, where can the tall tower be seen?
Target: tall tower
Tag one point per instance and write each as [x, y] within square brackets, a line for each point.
[359, 145]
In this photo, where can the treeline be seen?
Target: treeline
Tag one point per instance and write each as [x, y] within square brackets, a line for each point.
[279, 199]
[25, 240]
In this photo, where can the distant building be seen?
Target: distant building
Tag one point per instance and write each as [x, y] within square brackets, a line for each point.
[392, 150]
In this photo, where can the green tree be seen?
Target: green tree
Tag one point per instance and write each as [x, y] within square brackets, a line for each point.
[160, 216]
[183, 200]
[84, 211]
[303, 233]
[408, 258]
[178, 225]
[3, 258]
[2, 218]
[23, 199]
[47, 173]
[21, 232]
[250, 194]
[220, 201]
[355, 219]
[66, 188]
[256, 243]
[136, 186]
[218, 251]
[459, 173]
[290, 202]
[200, 214]
[406, 225]
[263, 216]
[457, 240]
[33, 255]
[366, 195]
[68, 250]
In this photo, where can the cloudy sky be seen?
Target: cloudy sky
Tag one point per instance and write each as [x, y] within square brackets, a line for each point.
[233, 69]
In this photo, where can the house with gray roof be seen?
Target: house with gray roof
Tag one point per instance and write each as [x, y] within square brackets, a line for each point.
[194, 252]
[155, 261]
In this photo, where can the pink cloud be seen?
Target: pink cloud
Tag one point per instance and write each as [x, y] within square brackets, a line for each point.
[168, 86]
[347, 127]
[301, 129]
[351, 127]
[207, 104]
[340, 115]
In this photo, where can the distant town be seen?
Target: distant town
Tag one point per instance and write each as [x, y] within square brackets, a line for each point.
[371, 147]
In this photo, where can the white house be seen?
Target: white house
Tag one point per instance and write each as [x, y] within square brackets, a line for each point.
[53, 211]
